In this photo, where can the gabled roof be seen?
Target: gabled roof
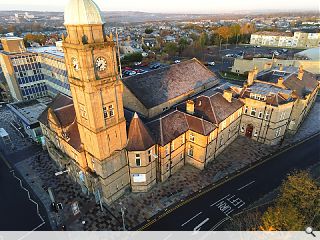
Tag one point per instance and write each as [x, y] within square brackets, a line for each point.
[62, 111]
[58, 102]
[215, 108]
[161, 85]
[175, 123]
[139, 137]
[302, 87]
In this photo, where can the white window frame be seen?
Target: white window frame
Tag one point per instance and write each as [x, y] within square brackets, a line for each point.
[260, 115]
[138, 158]
[253, 111]
[246, 109]
[166, 149]
[191, 137]
[172, 146]
[150, 155]
[190, 151]
[223, 124]
[278, 132]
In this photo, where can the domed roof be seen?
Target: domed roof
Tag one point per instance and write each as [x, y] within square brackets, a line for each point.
[79, 12]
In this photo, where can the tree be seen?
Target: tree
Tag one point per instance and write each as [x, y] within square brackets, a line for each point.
[148, 30]
[224, 32]
[183, 43]
[132, 57]
[170, 48]
[297, 205]
[283, 218]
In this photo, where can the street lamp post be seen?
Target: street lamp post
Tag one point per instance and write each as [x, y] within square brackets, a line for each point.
[122, 214]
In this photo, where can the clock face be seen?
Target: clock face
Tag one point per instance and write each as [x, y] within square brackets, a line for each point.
[75, 64]
[101, 64]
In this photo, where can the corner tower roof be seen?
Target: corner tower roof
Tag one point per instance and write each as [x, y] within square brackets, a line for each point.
[82, 12]
[139, 138]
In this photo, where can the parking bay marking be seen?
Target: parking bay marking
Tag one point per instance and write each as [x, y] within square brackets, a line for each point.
[191, 219]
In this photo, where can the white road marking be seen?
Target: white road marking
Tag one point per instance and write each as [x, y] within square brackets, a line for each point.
[191, 219]
[31, 200]
[245, 185]
[219, 223]
[219, 200]
[197, 228]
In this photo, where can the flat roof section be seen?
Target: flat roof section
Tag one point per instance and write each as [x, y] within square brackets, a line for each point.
[29, 111]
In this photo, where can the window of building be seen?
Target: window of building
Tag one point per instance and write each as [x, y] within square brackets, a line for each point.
[260, 115]
[138, 159]
[111, 111]
[172, 146]
[278, 131]
[239, 112]
[83, 111]
[242, 129]
[166, 148]
[181, 156]
[246, 109]
[183, 139]
[232, 117]
[191, 137]
[253, 111]
[190, 151]
[150, 155]
[267, 115]
[255, 134]
[282, 115]
[224, 124]
[221, 140]
[168, 166]
[105, 112]
[211, 136]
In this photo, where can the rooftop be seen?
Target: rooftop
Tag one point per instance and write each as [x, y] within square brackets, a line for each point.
[51, 50]
[29, 111]
[161, 85]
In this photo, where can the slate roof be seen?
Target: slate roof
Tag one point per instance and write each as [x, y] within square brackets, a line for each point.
[214, 108]
[63, 111]
[301, 87]
[139, 137]
[175, 123]
[161, 85]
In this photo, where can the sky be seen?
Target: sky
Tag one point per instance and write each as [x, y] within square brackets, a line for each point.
[168, 6]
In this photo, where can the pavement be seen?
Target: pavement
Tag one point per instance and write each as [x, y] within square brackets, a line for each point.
[38, 170]
[213, 206]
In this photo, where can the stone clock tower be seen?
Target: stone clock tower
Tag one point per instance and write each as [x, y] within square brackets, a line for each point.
[92, 67]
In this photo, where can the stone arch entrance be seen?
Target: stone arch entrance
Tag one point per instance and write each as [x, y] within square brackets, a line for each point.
[249, 130]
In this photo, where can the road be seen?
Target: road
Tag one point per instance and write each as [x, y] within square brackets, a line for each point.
[210, 210]
[17, 211]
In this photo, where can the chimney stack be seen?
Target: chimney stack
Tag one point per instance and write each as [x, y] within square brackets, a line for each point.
[280, 67]
[251, 76]
[190, 106]
[227, 94]
[280, 81]
[300, 73]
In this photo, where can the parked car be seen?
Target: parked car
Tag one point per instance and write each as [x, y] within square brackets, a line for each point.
[137, 63]
[177, 61]
[155, 65]
[211, 63]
